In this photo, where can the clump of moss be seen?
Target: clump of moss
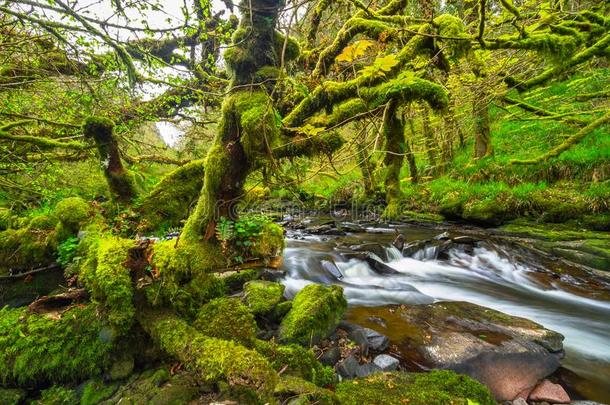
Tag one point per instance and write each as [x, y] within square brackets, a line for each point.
[227, 318]
[170, 201]
[110, 282]
[247, 373]
[29, 247]
[71, 213]
[270, 241]
[297, 361]
[262, 296]
[235, 281]
[36, 349]
[438, 387]
[7, 219]
[11, 396]
[303, 392]
[316, 311]
[183, 283]
[57, 395]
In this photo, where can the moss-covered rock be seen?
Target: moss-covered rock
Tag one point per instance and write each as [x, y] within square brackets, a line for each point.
[262, 296]
[227, 318]
[437, 387]
[300, 391]
[316, 311]
[36, 349]
[297, 361]
[170, 201]
[235, 281]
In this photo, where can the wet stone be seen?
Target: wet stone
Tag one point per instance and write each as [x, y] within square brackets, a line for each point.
[377, 341]
[331, 356]
[348, 367]
[386, 362]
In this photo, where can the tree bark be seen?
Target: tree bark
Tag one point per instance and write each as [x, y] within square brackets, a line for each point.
[393, 131]
[120, 181]
[482, 133]
[243, 131]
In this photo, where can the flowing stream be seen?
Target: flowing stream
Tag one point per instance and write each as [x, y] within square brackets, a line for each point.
[489, 274]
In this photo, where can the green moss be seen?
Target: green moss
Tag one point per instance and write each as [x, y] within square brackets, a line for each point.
[246, 372]
[11, 396]
[235, 281]
[27, 248]
[95, 391]
[57, 395]
[270, 241]
[110, 281]
[7, 219]
[303, 392]
[228, 319]
[434, 388]
[316, 311]
[183, 282]
[36, 349]
[262, 296]
[297, 361]
[170, 201]
[71, 213]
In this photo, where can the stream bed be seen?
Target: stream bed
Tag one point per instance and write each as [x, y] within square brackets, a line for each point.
[485, 271]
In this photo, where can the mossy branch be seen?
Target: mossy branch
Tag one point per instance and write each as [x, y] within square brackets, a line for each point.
[210, 358]
[510, 7]
[542, 112]
[37, 140]
[406, 87]
[598, 48]
[571, 141]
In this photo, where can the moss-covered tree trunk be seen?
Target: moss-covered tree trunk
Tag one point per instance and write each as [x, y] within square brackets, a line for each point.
[120, 181]
[429, 140]
[247, 125]
[393, 131]
[364, 159]
[410, 155]
[482, 132]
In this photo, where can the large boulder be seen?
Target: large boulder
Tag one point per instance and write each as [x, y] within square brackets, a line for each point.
[506, 353]
[316, 311]
[262, 296]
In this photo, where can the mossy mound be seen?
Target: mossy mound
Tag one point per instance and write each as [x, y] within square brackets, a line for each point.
[27, 248]
[438, 387]
[235, 281]
[270, 241]
[170, 201]
[71, 213]
[297, 361]
[227, 318]
[36, 349]
[262, 296]
[183, 283]
[299, 391]
[316, 311]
